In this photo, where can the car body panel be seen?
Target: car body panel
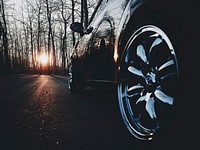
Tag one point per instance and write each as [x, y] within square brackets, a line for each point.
[101, 41]
[99, 52]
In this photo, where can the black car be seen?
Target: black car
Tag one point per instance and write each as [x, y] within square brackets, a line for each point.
[148, 49]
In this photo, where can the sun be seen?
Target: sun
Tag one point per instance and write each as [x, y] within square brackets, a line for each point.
[43, 59]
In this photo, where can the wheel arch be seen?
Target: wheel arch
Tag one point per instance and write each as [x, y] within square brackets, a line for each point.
[160, 13]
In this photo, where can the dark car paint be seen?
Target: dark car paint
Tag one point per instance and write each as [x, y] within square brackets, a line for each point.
[113, 27]
[109, 35]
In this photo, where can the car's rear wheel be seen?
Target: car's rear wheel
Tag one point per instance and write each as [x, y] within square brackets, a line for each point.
[147, 81]
[75, 80]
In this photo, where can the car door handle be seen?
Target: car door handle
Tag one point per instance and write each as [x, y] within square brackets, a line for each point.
[89, 30]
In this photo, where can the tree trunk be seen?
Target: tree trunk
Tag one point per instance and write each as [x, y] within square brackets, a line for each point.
[85, 13]
[73, 35]
[38, 35]
[5, 40]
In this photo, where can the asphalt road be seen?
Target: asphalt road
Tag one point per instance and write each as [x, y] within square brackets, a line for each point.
[38, 112]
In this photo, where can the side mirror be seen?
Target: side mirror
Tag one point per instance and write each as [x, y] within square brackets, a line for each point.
[76, 27]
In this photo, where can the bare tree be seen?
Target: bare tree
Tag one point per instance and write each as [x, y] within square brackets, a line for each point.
[3, 26]
[41, 23]
[30, 25]
[39, 7]
[73, 19]
[49, 9]
[84, 13]
[64, 39]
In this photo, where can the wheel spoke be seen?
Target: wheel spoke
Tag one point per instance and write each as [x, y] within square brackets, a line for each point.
[163, 97]
[134, 90]
[141, 53]
[150, 108]
[149, 104]
[135, 71]
[165, 65]
[142, 98]
[167, 75]
[156, 42]
[167, 69]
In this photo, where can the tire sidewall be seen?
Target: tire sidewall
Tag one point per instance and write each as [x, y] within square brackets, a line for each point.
[170, 28]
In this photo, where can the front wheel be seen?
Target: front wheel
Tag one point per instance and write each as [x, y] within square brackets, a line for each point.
[147, 82]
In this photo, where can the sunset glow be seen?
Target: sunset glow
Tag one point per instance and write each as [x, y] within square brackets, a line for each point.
[43, 59]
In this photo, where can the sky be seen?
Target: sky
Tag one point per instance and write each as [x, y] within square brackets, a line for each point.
[16, 2]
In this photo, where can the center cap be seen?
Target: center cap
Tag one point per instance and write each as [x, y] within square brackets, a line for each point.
[150, 78]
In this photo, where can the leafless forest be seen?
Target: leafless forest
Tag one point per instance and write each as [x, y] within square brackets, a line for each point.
[35, 35]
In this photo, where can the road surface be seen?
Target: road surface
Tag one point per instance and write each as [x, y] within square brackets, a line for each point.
[37, 112]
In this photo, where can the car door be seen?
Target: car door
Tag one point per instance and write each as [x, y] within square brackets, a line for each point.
[100, 50]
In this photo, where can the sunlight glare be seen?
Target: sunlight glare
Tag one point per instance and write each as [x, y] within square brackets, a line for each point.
[44, 59]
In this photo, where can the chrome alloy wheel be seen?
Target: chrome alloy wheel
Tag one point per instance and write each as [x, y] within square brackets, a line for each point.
[147, 82]
[70, 77]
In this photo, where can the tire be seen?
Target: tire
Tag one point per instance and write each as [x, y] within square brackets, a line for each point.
[75, 80]
[148, 81]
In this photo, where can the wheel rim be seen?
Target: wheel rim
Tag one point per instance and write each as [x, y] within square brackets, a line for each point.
[147, 84]
[70, 77]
